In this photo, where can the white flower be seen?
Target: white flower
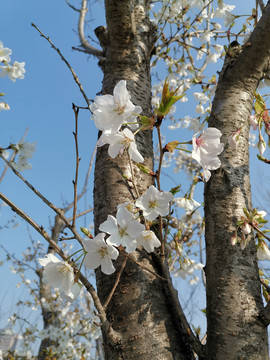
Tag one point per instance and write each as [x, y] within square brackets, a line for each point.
[154, 203]
[246, 228]
[123, 230]
[234, 139]
[148, 240]
[212, 58]
[262, 213]
[13, 72]
[188, 204]
[199, 96]
[119, 142]
[187, 268]
[100, 253]
[58, 273]
[206, 147]
[110, 112]
[73, 293]
[4, 106]
[228, 18]
[261, 146]
[263, 252]
[4, 53]
[206, 36]
[24, 152]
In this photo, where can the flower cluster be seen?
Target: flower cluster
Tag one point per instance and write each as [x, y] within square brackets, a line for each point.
[206, 148]
[14, 71]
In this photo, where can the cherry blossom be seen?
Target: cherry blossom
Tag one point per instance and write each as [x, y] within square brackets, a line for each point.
[148, 241]
[123, 230]
[119, 142]
[234, 139]
[4, 53]
[253, 122]
[24, 152]
[206, 147]
[110, 112]
[188, 204]
[13, 72]
[154, 203]
[4, 106]
[58, 273]
[100, 253]
[263, 252]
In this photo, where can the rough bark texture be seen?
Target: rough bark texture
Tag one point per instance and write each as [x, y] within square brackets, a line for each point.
[234, 301]
[49, 317]
[140, 310]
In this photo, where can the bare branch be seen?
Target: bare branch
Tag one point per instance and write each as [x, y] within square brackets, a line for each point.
[75, 183]
[75, 77]
[85, 182]
[72, 7]
[47, 202]
[85, 44]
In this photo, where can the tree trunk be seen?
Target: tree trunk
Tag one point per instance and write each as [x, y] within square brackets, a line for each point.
[234, 329]
[140, 309]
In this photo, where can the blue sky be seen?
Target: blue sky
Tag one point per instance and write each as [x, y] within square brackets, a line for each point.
[42, 102]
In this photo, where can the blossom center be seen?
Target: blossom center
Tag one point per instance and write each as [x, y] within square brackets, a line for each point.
[199, 141]
[122, 231]
[62, 270]
[153, 204]
[118, 108]
[103, 251]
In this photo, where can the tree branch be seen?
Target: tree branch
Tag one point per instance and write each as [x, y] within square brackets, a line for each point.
[85, 44]
[75, 77]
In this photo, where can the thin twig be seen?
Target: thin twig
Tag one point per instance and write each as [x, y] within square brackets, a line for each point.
[75, 182]
[88, 48]
[47, 202]
[81, 214]
[85, 182]
[143, 267]
[118, 276]
[75, 77]
[132, 176]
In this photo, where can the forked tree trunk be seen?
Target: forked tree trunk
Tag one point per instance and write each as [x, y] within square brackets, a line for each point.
[140, 309]
[234, 301]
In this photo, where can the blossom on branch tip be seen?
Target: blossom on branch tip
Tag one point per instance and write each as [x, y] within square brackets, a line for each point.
[100, 253]
[206, 147]
[154, 203]
[110, 112]
[58, 273]
[119, 142]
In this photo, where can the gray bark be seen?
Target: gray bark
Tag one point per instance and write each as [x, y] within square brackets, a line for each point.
[140, 309]
[234, 328]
